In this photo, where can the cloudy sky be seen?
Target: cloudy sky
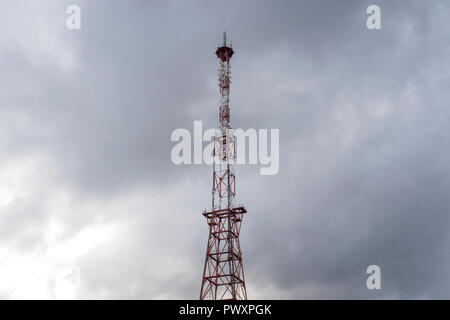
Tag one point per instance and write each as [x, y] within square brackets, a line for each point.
[91, 205]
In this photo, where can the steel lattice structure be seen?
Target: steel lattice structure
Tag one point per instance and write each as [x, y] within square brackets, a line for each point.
[223, 274]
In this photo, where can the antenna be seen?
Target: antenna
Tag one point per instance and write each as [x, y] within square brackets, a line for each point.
[223, 273]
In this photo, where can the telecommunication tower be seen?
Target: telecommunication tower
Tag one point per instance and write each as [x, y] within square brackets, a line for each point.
[223, 273]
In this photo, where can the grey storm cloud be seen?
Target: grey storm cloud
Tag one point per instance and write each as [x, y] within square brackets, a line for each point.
[87, 186]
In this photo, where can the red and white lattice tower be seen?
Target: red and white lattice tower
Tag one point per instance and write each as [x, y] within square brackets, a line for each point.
[223, 274]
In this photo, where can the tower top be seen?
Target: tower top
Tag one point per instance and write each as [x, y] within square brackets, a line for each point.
[224, 52]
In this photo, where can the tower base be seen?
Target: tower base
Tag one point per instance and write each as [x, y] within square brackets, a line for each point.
[223, 274]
